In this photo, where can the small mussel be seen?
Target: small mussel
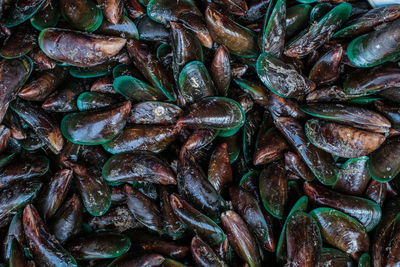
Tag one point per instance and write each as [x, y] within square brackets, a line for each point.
[89, 49]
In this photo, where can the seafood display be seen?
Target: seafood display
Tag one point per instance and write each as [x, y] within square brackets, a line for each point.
[173, 133]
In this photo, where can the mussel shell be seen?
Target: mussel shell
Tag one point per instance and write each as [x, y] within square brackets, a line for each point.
[273, 37]
[137, 166]
[13, 75]
[41, 123]
[269, 146]
[331, 257]
[83, 15]
[112, 9]
[236, 7]
[5, 134]
[238, 39]
[148, 64]
[31, 142]
[384, 163]
[45, 83]
[13, 198]
[246, 205]
[194, 186]
[320, 162]
[144, 209]
[204, 255]
[249, 182]
[214, 112]
[89, 49]
[240, 238]
[124, 28]
[64, 99]
[186, 47]
[17, 257]
[319, 11]
[197, 222]
[196, 24]
[117, 218]
[24, 168]
[274, 189]
[391, 112]
[392, 255]
[67, 222]
[384, 230]
[195, 82]
[142, 137]
[284, 107]
[41, 60]
[327, 69]
[220, 70]
[95, 127]
[200, 139]
[150, 30]
[365, 211]
[48, 16]
[136, 90]
[103, 85]
[367, 21]
[126, 70]
[294, 163]
[21, 11]
[281, 78]
[152, 243]
[365, 260]
[296, 19]
[171, 225]
[365, 82]
[99, 246]
[281, 250]
[375, 48]
[45, 248]
[92, 72]
[353, 176]
[164, 11]
[253, 120]
[219, 170]
[341, 140]
[148, 260]
[256, 10]
[342, 231]
[354, 116]
[93, 188]
[56, 192]
[93, 100]
[21, 41]
[303, 238]
[318, 33]
[153, 112]
[377, 192]
[232, 141]
[257, 90]
[392, 94]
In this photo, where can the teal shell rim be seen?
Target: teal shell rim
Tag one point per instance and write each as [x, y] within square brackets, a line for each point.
[74, 72]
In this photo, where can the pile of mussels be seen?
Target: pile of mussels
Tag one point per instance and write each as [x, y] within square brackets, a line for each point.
[199, 133]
